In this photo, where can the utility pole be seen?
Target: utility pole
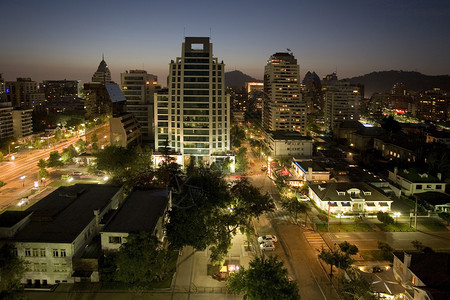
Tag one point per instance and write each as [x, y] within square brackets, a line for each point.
[415, 216]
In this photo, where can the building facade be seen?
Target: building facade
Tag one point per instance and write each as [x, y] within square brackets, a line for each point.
[25, 93]
[22, 123]
[349, 197]
[193, 117]
[289, 144]
[411, 182]
[139, 87]
[52, 235]
[342, 100]
[283, 108]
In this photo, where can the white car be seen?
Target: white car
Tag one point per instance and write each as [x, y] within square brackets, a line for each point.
[303, 198]
[266, 238]
[267, 245]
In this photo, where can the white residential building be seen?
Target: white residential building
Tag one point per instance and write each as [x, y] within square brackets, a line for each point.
[289, 144]
[411, 182]
[143, 210]
[349, 197]
[52, 235]
[193, 117]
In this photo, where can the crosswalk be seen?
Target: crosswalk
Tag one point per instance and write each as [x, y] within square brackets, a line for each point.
[315, 239]
[281, 216]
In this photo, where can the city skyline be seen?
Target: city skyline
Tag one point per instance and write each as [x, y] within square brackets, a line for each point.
[54, 40]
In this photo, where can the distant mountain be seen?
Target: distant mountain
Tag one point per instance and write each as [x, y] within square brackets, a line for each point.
[237, 79]
[384, 80]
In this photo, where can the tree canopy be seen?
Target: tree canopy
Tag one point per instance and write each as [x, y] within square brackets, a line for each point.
[54, 160]
[141, 260]
[123, 163]
[339, 256]
[207, 212]
[12, 269]
[265, 278]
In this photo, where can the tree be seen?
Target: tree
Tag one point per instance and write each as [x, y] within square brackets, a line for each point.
[1, 156]
[94, 140]
[123, 164]
[218, 209]
[141, 260]
[68, 153]
[265, 278]
[12, 269]
[293, 206]
[421, 247]
[242, 159]
[58, 134]
[81, 146]
[390, 125]
[339, 256]
[355, 288]
[54, 160]
[445, 216]
[237, 136]
[2, 183]
[42, 163]
[386, 250]
[385, 218]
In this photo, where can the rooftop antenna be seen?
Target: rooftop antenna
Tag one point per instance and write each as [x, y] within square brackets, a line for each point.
[184, 32]
[103, 56]
[210, 33]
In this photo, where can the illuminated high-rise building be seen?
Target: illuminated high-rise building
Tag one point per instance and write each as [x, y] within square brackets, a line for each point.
[342, 100]
[193, 117]
[139, 87]
[283, 108]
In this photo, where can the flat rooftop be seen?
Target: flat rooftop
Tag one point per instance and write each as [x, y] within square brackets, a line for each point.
[64, 214]
[140, 211]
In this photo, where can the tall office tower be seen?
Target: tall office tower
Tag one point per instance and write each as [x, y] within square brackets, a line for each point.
[283, 108]
[194, 116]
[25, 93]
[342, 100]
[139, 89]
[103, 74]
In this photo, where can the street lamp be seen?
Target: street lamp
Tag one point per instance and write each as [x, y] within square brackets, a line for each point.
[396, 214]
[23, 180]
[9, 147]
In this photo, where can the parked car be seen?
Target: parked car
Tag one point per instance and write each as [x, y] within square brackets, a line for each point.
[268, 245]
[303, 198]
[267, 238]
[77, 173]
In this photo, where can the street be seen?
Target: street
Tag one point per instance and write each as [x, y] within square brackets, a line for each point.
[25, 166]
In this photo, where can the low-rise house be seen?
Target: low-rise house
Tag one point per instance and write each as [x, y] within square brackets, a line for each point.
[425, 275]
[349, 197]
[397, 148]
[141, 211]
[345, 129]
[56, 230]
[412, 182]
[310, 170]
[442, 137]
[363, 138]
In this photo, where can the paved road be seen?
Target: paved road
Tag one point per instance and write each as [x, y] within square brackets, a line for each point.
[398, 240]
[26, 165]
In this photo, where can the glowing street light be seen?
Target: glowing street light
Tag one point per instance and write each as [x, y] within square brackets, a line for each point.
[396, 214]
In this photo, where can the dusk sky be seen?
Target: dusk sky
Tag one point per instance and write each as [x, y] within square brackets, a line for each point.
[65, 39]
